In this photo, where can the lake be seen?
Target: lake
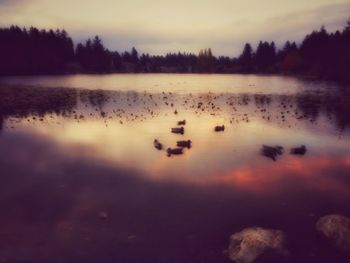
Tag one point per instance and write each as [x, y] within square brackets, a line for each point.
[83, 182]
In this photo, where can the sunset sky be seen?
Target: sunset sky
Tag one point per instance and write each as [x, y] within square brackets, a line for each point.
[160, 26]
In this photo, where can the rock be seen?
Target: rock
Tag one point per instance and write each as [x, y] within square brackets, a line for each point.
[272, 151]
[298, 150]
[252, 244]
[335, 228]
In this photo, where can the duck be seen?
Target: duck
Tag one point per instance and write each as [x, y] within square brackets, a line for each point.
[272, 151]
[180, 130]
[219, 128]
[184, 144]
[298, 150]
[174, 151]
[157, 145]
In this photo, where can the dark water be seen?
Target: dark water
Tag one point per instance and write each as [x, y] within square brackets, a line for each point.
[82, 182]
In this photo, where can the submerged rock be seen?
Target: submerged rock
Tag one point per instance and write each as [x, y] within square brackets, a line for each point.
[103, 215]
[271, 151]
[298, 150]
[256, 243]
[335, 228]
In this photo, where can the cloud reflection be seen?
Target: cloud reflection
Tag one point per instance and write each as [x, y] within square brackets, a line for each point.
[52, 194]
[323, 173]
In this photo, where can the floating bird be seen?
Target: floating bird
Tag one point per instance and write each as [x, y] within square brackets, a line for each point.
[179, 130]
[298, 150]
[184, 144]
[157, 144]
[174, 151]
[272, 151]
[219, 128]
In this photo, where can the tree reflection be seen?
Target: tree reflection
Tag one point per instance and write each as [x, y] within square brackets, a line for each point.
[24, 102]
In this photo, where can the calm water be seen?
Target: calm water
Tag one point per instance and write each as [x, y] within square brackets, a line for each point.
[179, 83]
[82, 181]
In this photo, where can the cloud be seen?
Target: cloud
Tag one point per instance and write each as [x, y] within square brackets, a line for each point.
[12, 3]
[163, 26]
[6, 2]
[228, 39]
[9, 10]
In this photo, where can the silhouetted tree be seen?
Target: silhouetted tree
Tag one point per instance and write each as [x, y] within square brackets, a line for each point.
[246, 59]
[224, 65]
[265, 57]
[347, 27]
[134, 55]
[34, 51]
[205, 61]
[93, 57]
[117, 61]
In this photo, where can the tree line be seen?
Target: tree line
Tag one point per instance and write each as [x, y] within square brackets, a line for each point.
[320, 54]
[32, 51]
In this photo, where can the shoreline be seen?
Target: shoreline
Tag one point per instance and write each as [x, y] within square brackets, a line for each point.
[310, 78]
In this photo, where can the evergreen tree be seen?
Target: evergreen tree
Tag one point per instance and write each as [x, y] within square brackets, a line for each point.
[246, 59]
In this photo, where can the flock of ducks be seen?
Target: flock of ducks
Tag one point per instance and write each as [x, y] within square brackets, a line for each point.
[182, 144]
[271, 152]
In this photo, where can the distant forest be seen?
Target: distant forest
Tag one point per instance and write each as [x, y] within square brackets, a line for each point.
[32, 51]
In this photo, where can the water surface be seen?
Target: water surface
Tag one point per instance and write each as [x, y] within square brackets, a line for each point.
[82, 180]
[179, 83]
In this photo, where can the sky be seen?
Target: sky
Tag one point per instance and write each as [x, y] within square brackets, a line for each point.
[161, 26]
